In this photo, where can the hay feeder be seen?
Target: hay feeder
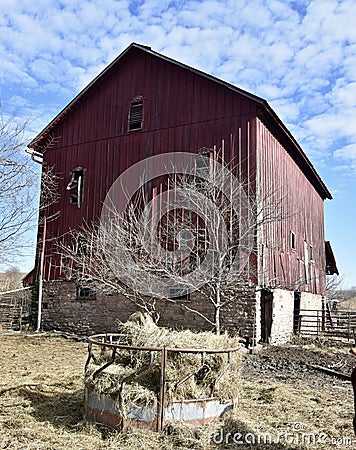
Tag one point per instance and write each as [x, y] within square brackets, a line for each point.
[107, 406]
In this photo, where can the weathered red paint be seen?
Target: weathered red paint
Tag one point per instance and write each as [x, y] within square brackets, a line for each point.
[302, 214]
[184, 110]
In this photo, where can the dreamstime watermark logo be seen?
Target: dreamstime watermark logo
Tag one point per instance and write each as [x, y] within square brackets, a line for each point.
[180, 196]
[294, 434]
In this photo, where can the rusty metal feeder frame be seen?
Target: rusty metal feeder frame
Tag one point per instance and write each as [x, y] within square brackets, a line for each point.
[115, 342]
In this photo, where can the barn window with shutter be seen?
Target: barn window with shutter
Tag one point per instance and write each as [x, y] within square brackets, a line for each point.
[136, 115]
[75, 186]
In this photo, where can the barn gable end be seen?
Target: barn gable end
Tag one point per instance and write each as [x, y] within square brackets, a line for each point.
[146, 104]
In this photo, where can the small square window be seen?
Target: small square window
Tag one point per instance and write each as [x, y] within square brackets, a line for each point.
[85, 292]
[203, 162]
[179, 294]
[292, 240]
[203, 168]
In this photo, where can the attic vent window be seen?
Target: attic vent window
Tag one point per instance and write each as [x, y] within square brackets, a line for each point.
[136, 115]
[75, 186]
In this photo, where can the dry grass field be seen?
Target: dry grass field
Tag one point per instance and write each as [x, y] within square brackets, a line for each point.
[284, 403]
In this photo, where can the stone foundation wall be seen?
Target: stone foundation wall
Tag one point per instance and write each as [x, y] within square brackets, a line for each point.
[283, 316]
[62, 310]
[311, 301]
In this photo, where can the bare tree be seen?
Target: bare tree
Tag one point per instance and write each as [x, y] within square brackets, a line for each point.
[10, 279]
[190, 234]
[17, 193]
[49, 192]
[334, 288]
[338, 296]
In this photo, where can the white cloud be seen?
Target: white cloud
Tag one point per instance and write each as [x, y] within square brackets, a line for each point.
[348, 152]
[300, 56]
[343, 94]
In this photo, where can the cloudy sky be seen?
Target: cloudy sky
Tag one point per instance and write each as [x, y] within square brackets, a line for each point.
[299, 55]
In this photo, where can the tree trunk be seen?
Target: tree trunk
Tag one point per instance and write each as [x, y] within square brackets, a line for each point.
[217, 310]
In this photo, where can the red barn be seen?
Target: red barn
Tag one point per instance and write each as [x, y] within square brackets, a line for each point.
[145, 104]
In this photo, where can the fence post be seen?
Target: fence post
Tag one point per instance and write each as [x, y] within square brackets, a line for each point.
[162, 395]
[323, 314]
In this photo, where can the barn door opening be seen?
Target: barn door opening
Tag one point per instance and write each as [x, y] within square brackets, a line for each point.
[296, 315]
[266, 315]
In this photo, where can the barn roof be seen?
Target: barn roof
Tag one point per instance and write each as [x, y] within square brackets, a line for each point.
[298, 154]
[331, 268]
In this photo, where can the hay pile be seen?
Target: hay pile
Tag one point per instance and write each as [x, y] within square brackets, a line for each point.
[144, 389]
[41, 405]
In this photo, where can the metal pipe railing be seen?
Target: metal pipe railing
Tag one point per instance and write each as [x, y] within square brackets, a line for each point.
[117, 341]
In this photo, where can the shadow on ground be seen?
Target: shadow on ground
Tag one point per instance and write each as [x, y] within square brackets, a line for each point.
[63, 409]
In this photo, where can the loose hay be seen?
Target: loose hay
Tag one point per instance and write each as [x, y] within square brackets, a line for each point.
[41, 405]
[141, 331]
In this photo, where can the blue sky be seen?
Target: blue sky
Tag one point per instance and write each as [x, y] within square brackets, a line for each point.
[299, 55]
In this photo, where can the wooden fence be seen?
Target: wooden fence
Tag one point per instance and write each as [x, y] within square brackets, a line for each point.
[15, 309]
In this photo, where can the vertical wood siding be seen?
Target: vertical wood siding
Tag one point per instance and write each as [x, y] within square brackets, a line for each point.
[281, 180]
[182, 111]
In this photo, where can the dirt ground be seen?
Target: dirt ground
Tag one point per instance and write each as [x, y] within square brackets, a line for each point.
[285, 403]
